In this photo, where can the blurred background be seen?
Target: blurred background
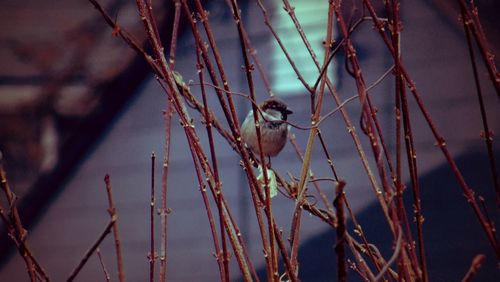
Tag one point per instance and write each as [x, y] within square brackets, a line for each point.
[76, 103]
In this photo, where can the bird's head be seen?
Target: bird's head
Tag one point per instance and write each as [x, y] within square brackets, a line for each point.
[275, 106]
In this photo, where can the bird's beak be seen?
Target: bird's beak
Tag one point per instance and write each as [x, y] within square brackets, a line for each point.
[288, 111]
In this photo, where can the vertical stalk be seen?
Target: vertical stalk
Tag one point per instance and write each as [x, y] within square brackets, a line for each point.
[103, 266]
[164, 72]
[300, 155]
[228, 108]
[175, 30]
[476, 264]
[398, 174]
[441, 143]
[411, 155]
[213, 228]
[341, 233]
[316, 107]
[270, 251]
[470, 17]
[90, 251]
[359, 231]
[16, 230]
[208, 125]
[345, 116]
[197, 151]
[487, 134]
[366, 121]
[167, 116]
[116, 235]
[152, 252]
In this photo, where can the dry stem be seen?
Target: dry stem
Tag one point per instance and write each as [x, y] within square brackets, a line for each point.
[16, 230]
[476, 264]
[116, 235]
[91, 250]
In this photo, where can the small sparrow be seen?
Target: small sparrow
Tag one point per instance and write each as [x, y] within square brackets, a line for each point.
[273, 129]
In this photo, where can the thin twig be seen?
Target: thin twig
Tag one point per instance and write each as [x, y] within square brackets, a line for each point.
[167, 116]
[300, 155]
[260, 68]
[231, 227]
[231, 117]
[486, 134]
[163, 70]
[16, 230]
[368, 122]
[345, 116]
[392, 259]
[471, 19]
[224, 260]
[316, 112]
[90, 251]
[411, 156]
[341, 232]
[267, 21]
[152, 252]
[116, 235]
[487, 216]
[175, 30]
[476, 264]
[358, 230]
[441, 143]
[211, 221]
[364, 271]
[101, 262]
[335, 50]
[195, 147]
[271, 250]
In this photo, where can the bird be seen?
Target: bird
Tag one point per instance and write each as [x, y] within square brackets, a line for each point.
[272, 119]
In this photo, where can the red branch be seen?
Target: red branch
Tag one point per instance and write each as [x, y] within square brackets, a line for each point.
[94, 247]
[116, 235]
[152, 252]
[341, 232]
[476, 264]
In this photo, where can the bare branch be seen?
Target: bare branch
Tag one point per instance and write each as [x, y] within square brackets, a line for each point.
[91, 250]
